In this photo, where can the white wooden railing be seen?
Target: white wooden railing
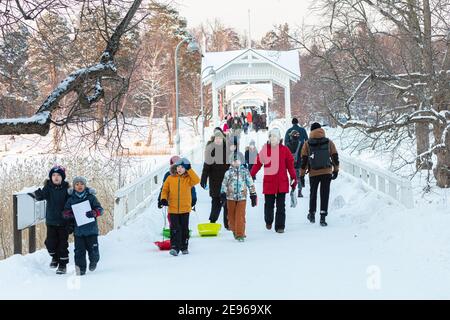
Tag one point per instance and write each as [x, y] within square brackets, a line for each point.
[383, 181]
[138, 195]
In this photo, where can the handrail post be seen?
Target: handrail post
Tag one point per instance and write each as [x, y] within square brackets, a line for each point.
[17, 234]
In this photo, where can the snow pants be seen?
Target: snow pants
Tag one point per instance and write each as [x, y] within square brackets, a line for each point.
[57, 243]
[216, 207]
[269, 206]
[179, 231]
[83, 244]
[324, 180]
[236, 217]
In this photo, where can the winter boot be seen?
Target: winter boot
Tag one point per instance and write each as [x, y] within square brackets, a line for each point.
[79, 272]
[300, 195]
[173, 252]
[185, 251]
[240, 239]
[269, 226]
[323, 223]
[54, 263]
[280, 231]
[312, 217]
[92, 266]
[61, 269]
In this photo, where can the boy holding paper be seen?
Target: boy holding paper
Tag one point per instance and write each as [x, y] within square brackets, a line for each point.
[83, 207]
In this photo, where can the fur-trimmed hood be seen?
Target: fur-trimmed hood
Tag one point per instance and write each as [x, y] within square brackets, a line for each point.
[64, 184]
[317, 134]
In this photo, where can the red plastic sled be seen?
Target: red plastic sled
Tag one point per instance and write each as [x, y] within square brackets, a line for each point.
[163, 245]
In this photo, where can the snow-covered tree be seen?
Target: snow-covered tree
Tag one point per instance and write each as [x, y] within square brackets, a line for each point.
[398, 88]
[17, 88]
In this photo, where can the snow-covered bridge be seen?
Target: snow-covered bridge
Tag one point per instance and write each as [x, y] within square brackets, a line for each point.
[374, 247]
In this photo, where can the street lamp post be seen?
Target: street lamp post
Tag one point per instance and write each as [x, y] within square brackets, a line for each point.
[211, 72]
[192, 47]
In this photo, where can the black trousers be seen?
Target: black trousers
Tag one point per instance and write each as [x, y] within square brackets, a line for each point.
[216, 207]
[324, 180]
[83, 244]
[57, 243]
[179, 231]
[269, 206]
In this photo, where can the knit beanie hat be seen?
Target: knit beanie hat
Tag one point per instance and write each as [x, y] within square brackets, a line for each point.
[58, 169]
[315, 126]
[237, 156]
[275, 132]
[82, 180]
[174, 160]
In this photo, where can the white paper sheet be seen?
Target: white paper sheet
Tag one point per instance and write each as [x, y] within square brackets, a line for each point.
[79, 211]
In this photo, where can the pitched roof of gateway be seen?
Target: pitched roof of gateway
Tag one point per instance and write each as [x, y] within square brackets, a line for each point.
[286, 60]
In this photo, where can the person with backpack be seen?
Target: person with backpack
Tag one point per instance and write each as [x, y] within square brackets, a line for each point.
[295, 127]
[320, 159]
[295, 146]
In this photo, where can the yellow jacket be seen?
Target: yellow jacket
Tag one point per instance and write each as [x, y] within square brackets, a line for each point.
[177, 191]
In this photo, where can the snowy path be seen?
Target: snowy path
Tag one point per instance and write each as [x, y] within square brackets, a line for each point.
[362, 240]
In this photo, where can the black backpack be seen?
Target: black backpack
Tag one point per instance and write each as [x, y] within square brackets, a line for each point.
[319, 153]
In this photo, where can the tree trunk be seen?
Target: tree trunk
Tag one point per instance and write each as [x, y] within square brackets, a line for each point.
[423, 145]
[442, 169]
[150, 125]
[169, 132]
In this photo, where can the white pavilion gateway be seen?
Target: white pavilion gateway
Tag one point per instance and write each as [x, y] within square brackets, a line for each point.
[248, 76]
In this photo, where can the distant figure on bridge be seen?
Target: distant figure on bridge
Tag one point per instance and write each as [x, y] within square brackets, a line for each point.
[295, 145]
[277, 161]
[320, 159]
[226, 128]
[249, 120]
[237, 126]
[214, 169]
[234, 191]
[250, 156]
[177, 195]
[300, 130]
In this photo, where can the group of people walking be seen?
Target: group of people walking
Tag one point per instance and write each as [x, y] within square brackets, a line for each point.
[227, 173]
[244, 122]
[229, 176]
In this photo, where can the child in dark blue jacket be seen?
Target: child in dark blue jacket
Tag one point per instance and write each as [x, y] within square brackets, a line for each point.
[55, 192]
[86, 236]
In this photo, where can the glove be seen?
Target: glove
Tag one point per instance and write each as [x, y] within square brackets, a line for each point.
[254, 199]
[223, 197]
[193, 208]
[160, 205]
[302, 181]
[194, 202]
[91, 214]
[334, 176]
[31, 194]
[203, 184]
[68, 214]
[293, 184]
[164, 203]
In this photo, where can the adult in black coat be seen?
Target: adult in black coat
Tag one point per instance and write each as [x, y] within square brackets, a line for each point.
[214, 169]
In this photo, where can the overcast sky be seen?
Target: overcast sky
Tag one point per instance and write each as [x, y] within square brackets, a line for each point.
[234, 13]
